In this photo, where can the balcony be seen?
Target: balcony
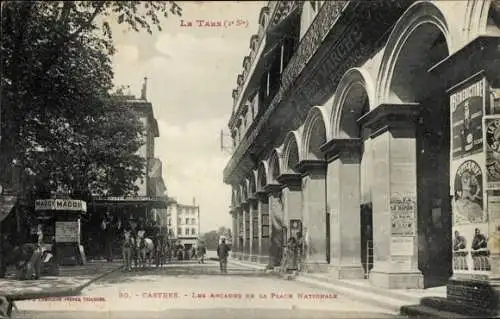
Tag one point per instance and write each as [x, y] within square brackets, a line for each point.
[359, 28]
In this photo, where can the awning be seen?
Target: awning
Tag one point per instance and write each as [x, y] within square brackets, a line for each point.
[159, 202]
[7, 202]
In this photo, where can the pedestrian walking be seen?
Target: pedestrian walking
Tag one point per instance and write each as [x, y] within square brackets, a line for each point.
[223, 253]
[202, 250]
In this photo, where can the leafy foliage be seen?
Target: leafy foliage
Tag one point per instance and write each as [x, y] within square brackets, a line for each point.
[58, 119]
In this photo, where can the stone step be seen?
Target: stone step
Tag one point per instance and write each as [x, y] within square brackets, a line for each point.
[420, 311]
[391, 304]
[398, 295]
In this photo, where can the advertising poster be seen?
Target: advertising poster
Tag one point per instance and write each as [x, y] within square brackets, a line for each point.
[403, 207]
[470, 219]
[68, 232]
[492, 151]
[466, 117]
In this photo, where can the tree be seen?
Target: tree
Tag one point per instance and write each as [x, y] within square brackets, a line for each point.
[56, 80]
[211, 240]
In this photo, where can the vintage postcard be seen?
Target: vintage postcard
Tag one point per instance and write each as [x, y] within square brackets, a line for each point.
[250, 159]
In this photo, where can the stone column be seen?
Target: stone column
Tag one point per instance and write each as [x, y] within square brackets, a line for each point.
[276, 224]
[292, 198]
[264, 230]
[244, 216]
[250, 228]
[343, 197]
[239, 246]
[394, 196]
[314, 197]
[234, 251]
[254, 229]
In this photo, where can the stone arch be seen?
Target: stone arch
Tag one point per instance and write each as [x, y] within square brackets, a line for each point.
[291, 152]
[354, 96]
[477, 16]
[274, 166]
[316, 133]
[252, 183]
[414, 33]
[262, 173]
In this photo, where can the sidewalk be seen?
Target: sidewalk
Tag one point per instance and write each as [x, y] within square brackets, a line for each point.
[393, 300]
[72, 281]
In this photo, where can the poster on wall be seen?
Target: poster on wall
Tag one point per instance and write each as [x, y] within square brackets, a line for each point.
[492, 151]
[468, 194]
[68, 232]
[470, 219]
[403, 207]
[466, 119]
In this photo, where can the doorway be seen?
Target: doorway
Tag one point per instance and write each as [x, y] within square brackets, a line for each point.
[366, 222]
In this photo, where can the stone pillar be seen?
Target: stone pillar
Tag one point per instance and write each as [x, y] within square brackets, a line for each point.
[394, 196]
[234, 252]
[276, 224]
[250, 232]
[240, 233]
[314, 204]
[254, 229]
[244, 250]
[292, 198]
[343, 198]
[264, 241]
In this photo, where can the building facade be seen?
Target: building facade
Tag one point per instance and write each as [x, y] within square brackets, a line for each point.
[184, 223]
[369, 128]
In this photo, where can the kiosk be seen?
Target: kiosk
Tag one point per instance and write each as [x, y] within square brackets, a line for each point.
[67, 219]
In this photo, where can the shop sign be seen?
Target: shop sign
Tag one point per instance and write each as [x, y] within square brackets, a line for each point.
[403, 208]
[60, 204]
[492, 151]
[466, 119]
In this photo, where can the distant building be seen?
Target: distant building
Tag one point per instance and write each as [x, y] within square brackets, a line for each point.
[184, 222]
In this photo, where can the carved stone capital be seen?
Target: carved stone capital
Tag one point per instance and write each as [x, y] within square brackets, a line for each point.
[290, 180]
[273, 188]
[306, 167]
[391, 116]
[341, 146]
[261, 196]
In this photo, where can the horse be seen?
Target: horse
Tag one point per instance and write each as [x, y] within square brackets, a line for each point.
[145, 249]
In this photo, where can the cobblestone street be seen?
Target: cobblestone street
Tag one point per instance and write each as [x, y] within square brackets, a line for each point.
[195, 291]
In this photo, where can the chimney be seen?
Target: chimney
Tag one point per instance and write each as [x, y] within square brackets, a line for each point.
[194, 201]
[144, 88]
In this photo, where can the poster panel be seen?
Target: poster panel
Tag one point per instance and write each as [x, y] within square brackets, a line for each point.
[492, 151]
[467, 107]
[470, 219]
[470, 248]
[68, 232]
[403, 207]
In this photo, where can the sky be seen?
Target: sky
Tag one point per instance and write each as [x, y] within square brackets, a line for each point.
[191, 73]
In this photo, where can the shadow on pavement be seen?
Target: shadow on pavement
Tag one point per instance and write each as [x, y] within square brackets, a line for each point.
[179, 270]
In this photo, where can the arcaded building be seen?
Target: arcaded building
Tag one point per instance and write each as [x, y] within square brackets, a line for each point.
[373, 129]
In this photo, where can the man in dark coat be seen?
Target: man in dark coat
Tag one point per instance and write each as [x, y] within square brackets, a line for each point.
[223, 253]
